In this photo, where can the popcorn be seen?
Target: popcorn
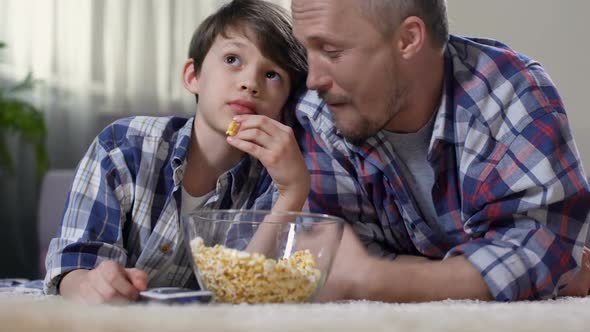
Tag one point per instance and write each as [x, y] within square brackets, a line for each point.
[232, 128]
[241, 277]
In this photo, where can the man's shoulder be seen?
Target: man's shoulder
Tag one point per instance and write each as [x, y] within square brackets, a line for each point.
[501, 89]
[128, 130]
[471, 50]
[316, 119]
[310, 107]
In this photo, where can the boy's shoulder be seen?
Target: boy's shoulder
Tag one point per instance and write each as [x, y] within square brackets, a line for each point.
[143, 127]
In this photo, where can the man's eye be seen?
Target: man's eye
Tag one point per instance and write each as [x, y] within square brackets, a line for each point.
[331, 52]
[273, 75]
[232, 60]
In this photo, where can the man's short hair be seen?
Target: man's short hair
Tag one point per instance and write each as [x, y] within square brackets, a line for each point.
[389, 14]
[272, 28]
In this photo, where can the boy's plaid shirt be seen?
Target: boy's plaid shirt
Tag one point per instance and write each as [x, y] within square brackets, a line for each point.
[125, 200]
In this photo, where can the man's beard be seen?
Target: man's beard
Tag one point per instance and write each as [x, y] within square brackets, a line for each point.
[364, 127]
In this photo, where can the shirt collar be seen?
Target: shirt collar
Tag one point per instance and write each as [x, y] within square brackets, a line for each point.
[238, 176]
[180, 150]
[444, 128]
[182, 142]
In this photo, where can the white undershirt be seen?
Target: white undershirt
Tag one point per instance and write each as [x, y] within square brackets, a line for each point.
[190, 203]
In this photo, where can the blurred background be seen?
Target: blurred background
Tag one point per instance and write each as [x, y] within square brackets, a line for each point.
[93, 61]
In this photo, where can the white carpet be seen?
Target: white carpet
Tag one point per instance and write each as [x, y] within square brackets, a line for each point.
[56, 314]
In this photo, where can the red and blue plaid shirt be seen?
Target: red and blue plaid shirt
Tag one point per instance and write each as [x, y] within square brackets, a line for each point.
[510, 191]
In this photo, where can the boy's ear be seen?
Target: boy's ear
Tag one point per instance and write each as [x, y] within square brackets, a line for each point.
[190, 79]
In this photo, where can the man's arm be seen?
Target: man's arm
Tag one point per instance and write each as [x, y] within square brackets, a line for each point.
[527, 218]
[454, 278]
[356, 275]
[528, 229]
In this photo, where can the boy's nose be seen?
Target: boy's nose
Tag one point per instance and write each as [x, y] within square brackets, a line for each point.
[250, 88]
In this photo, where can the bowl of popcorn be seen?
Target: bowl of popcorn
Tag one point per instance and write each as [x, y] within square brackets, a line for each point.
[253, 257]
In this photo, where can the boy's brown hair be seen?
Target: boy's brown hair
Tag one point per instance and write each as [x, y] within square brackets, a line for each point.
[271, 26]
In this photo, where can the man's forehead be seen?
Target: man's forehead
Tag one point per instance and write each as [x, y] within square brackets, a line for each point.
[321, 20]
[324, 11]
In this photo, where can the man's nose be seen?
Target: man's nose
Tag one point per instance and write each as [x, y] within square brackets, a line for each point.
[317, 78]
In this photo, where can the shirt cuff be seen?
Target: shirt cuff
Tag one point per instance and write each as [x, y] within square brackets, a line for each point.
[507, 270]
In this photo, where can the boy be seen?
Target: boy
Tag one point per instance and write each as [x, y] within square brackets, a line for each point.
[120, 230]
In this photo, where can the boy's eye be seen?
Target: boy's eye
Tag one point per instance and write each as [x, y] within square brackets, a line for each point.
[232, 60]
[273, 75]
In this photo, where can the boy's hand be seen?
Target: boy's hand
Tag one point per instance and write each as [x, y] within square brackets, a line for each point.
[108, 282]
[274, 144]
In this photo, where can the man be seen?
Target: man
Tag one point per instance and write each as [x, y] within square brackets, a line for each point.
[452, 155]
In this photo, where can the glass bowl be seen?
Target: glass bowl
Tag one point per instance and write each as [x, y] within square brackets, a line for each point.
[252, 257]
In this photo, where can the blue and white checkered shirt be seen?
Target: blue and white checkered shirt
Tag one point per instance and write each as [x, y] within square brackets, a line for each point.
[125, 200]
[510, 191]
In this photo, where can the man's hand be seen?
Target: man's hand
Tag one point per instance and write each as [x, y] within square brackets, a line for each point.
[348, 269]
[352, 265]
[580, 284]
[108, 282]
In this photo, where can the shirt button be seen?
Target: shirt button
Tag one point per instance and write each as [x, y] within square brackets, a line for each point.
[165, 248]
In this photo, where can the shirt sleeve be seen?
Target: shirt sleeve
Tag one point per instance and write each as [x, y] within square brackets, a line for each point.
[91, 228]
[530, 224]
[336, 189]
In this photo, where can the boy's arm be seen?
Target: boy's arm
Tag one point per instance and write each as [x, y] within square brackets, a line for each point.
[91, 228]
[279, 153]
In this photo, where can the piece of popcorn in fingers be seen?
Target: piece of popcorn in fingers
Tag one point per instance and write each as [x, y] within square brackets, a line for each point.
[232, 128]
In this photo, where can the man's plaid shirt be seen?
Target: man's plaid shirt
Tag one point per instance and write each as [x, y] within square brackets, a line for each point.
[510, 191]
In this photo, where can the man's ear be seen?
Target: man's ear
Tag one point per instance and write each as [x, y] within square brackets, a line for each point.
[412, 36]
[190, 79]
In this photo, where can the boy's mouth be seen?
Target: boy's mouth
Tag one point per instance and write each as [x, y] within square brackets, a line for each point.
[241, 106]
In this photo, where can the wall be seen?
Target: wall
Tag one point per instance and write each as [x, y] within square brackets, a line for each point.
[556, 33]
